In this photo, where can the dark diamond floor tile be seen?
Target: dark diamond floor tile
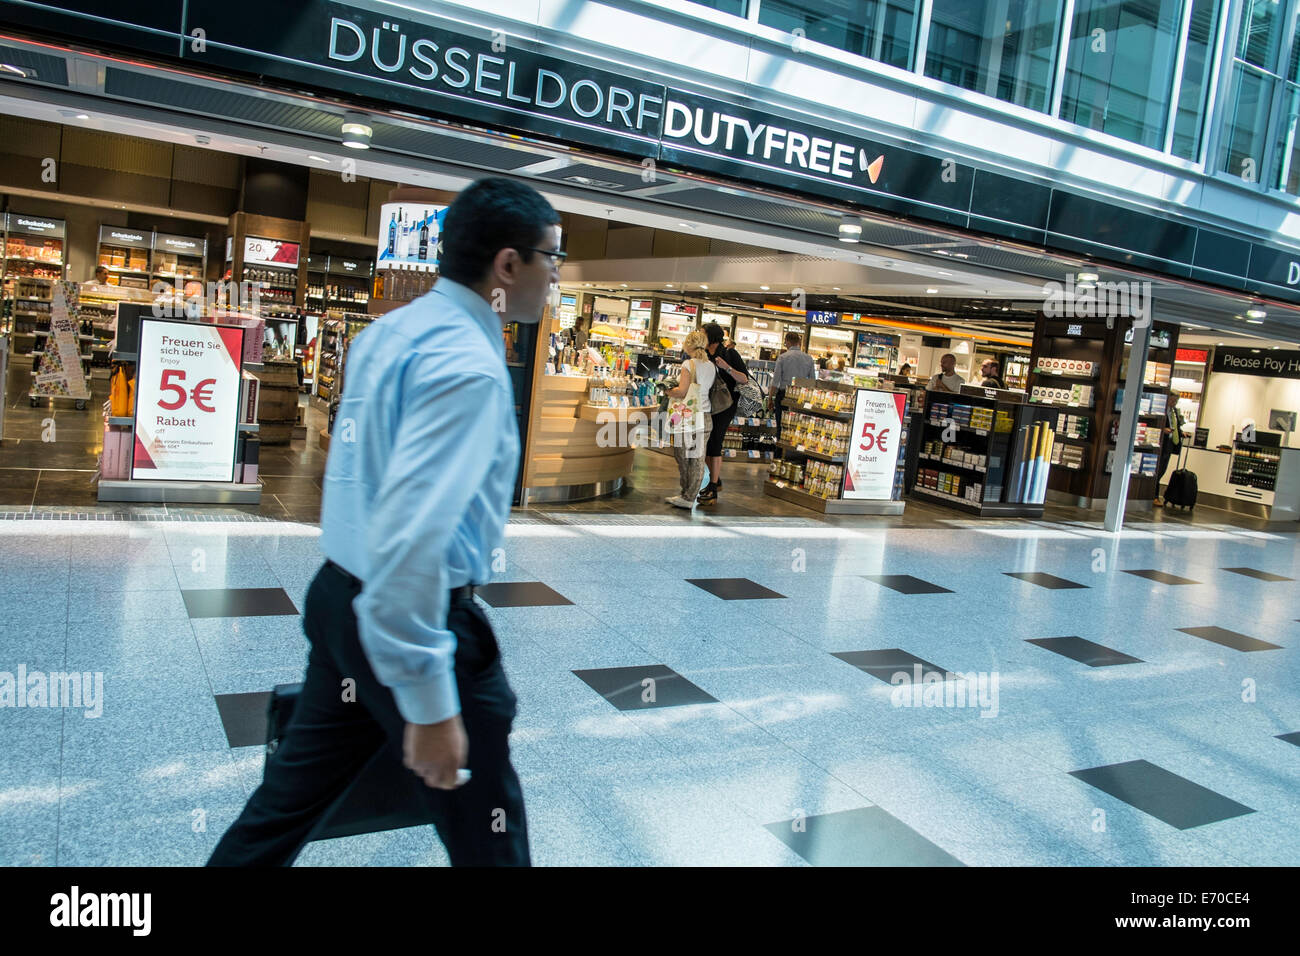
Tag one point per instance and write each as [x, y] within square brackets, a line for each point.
[244, 717]
[627, 688]
[1292, 738]
[521, 594]
[906, 584]
[1258, 574]
[868, 836]
[1238, 642]
[1162, 576]
[1050, 581]
[1166, 796]
[884, 664]
[239, 602]
[1084, 651]
[734, 589]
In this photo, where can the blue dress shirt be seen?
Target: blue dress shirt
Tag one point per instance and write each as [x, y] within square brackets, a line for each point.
[419, 483]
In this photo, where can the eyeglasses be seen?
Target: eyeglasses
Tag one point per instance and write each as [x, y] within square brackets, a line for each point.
[556, 255]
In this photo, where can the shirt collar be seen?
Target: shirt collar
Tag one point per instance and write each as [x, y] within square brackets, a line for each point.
[471, 302]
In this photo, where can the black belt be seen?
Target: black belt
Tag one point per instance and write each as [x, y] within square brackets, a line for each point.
[458, 595]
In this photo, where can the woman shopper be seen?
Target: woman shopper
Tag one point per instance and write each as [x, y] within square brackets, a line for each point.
[734, 374]
[689, 445]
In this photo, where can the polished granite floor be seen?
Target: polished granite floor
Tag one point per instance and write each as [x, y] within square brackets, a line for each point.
[707, 691]
[749, 685]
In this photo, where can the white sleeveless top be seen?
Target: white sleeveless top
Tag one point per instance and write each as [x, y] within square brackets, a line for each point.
[703, 372]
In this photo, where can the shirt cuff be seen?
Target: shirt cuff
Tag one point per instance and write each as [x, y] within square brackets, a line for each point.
[431, 702]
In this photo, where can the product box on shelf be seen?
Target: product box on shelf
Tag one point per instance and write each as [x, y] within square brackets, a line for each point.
[115, 462]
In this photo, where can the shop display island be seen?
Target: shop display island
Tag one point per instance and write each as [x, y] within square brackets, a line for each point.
[987, 456]
[842, 449]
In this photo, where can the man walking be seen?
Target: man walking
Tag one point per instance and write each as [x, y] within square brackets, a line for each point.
[418, 489]
[793, 363]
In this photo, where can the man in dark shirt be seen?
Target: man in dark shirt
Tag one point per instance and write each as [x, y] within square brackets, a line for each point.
[734, 374]
[990, 374]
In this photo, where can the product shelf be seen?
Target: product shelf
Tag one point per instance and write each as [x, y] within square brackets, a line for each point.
[801, 450]
[841, 416]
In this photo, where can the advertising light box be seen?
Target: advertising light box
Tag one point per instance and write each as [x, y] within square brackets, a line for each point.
[270, 252]
[409, 233]
[873, 447]
[187, 401]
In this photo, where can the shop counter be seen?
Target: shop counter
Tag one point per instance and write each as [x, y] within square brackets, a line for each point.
[576, 451]
[1213, 488]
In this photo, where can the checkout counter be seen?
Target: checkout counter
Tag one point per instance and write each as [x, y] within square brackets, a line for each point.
[1258, 480]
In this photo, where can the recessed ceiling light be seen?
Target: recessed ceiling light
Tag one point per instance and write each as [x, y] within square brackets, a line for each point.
[703, 285]
[1276, 347]
[1220, 343]
[1254, 321]
[318, 159]
[836, 288]
[1006, 308]
[850, 229]
[931, 291]
[9, 68]
[624, 284]
[1256, 313]
[765, 287]
[668, 285]
[1086, 277]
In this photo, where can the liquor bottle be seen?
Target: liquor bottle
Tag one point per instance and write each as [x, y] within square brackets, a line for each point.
[424, 237]
[392, 235]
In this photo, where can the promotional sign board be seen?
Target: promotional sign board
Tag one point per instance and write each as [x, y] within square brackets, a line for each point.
[187, 401]
[270, 252]
[59, 371]
[873, 445]
[408, 234]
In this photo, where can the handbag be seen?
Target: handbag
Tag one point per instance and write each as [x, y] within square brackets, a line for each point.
[685, 414]
[750, 402]
[384, 795]
[719, 395]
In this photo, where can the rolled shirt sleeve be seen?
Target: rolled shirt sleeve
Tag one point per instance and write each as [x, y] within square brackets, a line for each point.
[443, 449]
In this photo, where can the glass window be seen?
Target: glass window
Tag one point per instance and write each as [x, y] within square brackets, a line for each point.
[1245, 123]
[1120, 67]
[1002, 48]
[1288, 150]
[1261, 33]
[724, 6]
[883, 30]
[1197, 62]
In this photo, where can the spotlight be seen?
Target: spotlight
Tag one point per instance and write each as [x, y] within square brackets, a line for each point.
[1086, 277]
[850, 229]
[356, 131]
[1256, 313]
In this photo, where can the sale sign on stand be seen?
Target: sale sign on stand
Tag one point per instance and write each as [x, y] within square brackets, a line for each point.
[187, 401]
[873, 445]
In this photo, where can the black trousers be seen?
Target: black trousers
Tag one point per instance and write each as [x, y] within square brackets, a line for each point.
[329, 740]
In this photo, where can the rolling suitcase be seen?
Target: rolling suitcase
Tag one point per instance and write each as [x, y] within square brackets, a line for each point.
[384, 796]
[1181, 491]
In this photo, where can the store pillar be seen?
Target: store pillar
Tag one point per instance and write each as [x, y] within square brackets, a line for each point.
[1117, 496]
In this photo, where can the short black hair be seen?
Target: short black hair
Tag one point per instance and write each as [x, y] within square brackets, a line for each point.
[713, 332]
[490, 215]
[793, 338]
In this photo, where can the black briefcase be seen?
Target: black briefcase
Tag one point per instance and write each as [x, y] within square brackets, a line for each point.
[385, 795]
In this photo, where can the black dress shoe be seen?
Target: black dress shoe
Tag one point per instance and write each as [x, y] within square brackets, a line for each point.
[708, 495]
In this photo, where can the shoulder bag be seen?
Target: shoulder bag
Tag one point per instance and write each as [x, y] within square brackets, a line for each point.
[685, 415]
